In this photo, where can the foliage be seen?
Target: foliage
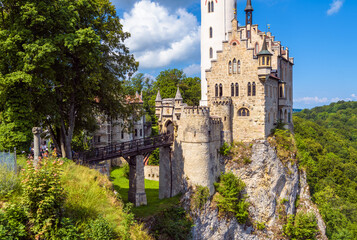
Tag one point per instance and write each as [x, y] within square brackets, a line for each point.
[63, 72]
[8, 180]
[284, 142]
[126, 168]
[260, 225]
[302, 226]
[200, 197]
[99, 229]
[13, 222]
[225, 149]
[154, 159]
[326, 139]
[230, 198]
[66, 230]
[241, 153]
[43, 195]
[172, 223]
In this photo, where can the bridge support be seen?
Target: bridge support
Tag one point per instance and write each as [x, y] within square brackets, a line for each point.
[137, 193]
[165, 183]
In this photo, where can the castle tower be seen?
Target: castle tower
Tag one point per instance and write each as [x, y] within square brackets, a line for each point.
[215, 25]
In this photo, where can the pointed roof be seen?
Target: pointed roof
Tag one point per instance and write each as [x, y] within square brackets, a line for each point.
[158, 97]
[264, 50]
[178, 94]
[249, 7]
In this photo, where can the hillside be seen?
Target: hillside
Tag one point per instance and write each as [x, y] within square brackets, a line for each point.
[327, 148]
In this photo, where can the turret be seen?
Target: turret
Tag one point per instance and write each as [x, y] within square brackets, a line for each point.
[178, 97]
[158, 106]
[264, 58]
[249, 13]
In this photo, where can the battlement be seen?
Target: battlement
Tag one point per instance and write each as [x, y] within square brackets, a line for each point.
[222, 101]
[215, 120]
[197, 111]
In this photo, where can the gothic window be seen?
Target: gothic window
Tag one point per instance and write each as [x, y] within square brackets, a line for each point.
[249, 89]
[220, 90]
[212, 6]
[209, 7]
[254, 89]
[256, 48]
[237, 90]
[232, 90]
[216, 90]
[243, 112]
[230, 67]
[234, 66]
[238, 66]
[210, 32]
[211, 53]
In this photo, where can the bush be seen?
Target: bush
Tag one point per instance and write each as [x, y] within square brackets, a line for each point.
[13, 223]
[225, 149]
[67, 231]
[43, 195]
[200, 197]
[99, 229]
[154, 159]
[230, 199]
[8, 180]
[260, 225]
[284, 142]
[302, 226]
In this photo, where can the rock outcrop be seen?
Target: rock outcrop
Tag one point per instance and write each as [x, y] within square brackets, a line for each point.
[272, 188]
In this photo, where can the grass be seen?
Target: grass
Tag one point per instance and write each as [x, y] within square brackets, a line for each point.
[155, 205]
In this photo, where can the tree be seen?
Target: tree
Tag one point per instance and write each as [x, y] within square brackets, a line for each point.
[69, 58]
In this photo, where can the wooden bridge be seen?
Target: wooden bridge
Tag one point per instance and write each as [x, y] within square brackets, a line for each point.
[127, 149]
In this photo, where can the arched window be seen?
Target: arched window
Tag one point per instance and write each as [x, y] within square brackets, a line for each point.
[249, 89]
[243, 112]
[281, 94]
[230, 67]
[237, 90]
[209, 7]
[268, 61]
[216, 90]
[238, 66]
[254, 89]
[234, 66]
[211, 53]
[210, 32]
[220, 90]
[232, 90]
[256, 48]
[212, 6]
[263, 60]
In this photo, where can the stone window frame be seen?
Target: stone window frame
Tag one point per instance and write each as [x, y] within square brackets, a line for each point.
[243, 112]
[216, 90]
[235, 66]
[249, 89]
[220, 90]
[254, 89]
[238, 67]
[237, 89]
[230, 67]
[232, 90]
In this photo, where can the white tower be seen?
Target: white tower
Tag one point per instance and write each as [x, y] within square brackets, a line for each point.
[216, 22]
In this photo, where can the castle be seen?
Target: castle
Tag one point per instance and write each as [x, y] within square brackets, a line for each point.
[247, 87]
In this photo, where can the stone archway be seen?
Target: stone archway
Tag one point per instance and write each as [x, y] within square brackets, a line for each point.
[168, 127]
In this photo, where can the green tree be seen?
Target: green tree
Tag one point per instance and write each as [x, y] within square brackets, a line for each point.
[70, 58]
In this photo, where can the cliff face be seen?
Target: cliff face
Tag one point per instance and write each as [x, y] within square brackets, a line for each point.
[272, 188]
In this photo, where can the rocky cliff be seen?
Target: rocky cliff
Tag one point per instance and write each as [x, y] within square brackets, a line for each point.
[272, 188]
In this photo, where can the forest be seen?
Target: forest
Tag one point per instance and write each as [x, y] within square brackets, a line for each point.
[327, 142]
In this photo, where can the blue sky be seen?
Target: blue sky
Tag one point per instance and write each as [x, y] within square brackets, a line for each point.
[320, 34]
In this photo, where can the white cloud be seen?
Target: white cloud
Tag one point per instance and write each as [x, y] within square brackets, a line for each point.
[158, 37]
[311, 100]
[127, 4]
[192, 70]
[335, 7]
[354, 97]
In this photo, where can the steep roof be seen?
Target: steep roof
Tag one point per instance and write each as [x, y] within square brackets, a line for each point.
[249, 6]
[178, 94]
[264, 50]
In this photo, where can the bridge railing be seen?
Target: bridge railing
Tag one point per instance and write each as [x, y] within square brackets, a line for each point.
[133, 147]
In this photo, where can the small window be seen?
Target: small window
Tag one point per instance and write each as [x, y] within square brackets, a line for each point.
[281, 92]
[254, 89]
[237, 90]
[99, 139]
[210, 32]
[209, 7]
[122, 135]
[243, 112]
[249, 89]
[136, 132]
[230, 67]
[268, 61]
[212, 6]
[232, 90]
[141, 132]
[263, 60]
[220, 90]
[239, 66]
[211, 53]
[234, 66]
[216, 90]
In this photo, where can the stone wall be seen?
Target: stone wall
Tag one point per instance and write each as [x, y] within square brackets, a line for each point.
[152, 173]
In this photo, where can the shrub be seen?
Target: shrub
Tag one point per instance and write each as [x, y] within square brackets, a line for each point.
[225, 149]
[230, 199]
[99, 229]
[126, 170]
[66, 231]
[43, 195]
[284, 142]
[13, 223]
[200, 197]
[260, 225]
[172, 223]
[8, 180]
[302, 226]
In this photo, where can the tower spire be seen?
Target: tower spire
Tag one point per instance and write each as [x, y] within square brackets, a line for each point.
[235, 9]
[249, 13]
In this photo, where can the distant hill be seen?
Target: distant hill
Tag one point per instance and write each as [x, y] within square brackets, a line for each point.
[327, 141]
[296, 110]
